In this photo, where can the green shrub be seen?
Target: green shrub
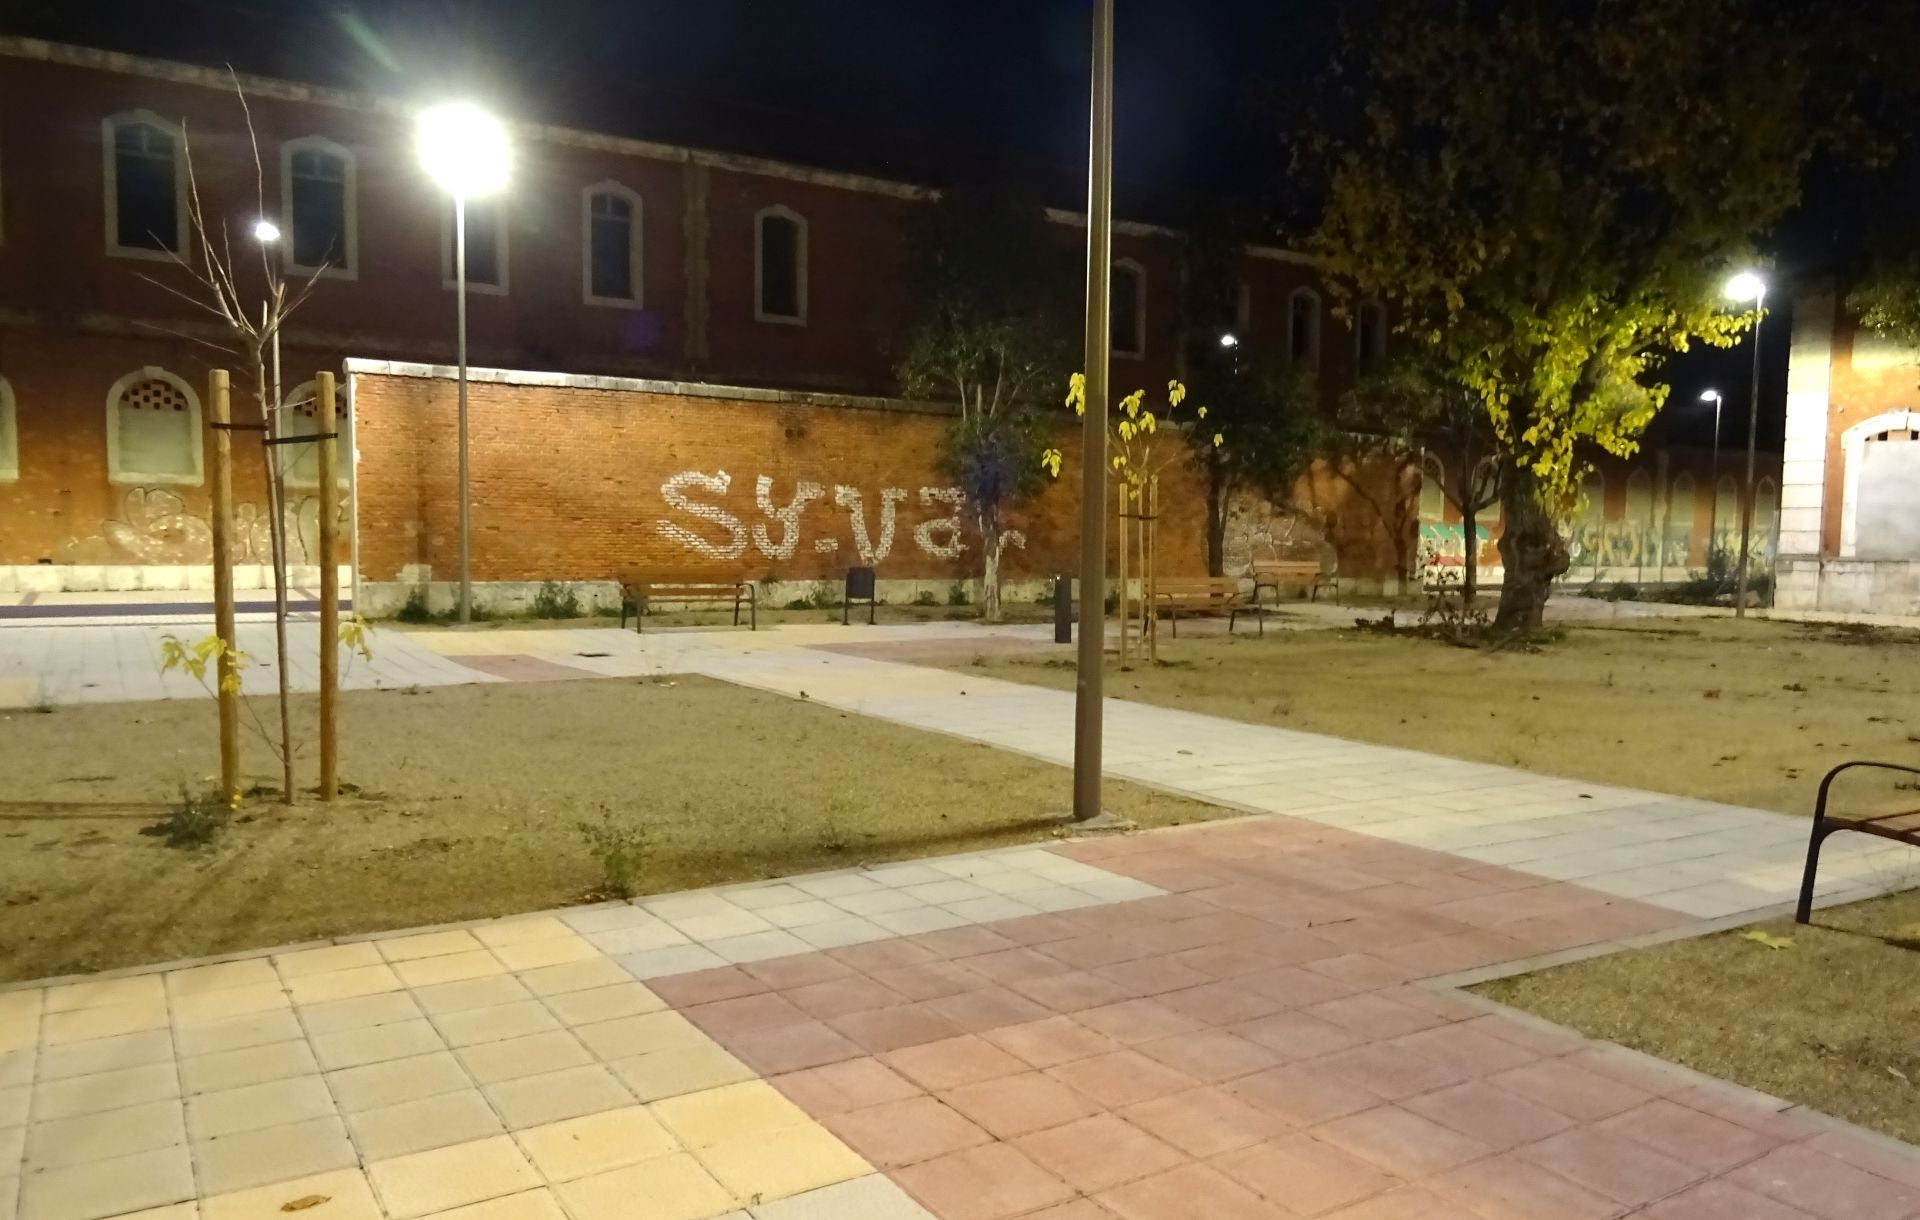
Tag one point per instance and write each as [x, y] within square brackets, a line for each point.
[197, 821]
[555, 600]
[925, 597]
[957, 595]
[620, 849]
[415, 610]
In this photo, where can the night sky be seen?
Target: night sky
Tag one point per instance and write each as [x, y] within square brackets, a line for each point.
[936, 91]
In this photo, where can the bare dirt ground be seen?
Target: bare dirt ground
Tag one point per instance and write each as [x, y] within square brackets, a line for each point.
[1752, 713]
[468, 805]
[1827, 1015]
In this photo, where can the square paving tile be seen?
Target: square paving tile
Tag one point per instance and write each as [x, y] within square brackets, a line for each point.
[344, 984]
[531, 1055]
[566, 977]
[551, 951]
[791, 1048]
[1204, 1122]
[367, 1044]
[426, 944]
[1497, 1118]
[643, 1034]
[730, 1112]
[674, 1187]
[426, 1182]
[1185, 1191]
[539, 1204]
[271, 1154]
[211, 1115]
[1010, 1106]
[422, 1124]
[333, 1016]
[249, 1065]
[347, 1195]
[529, 1101]
[850, 1085]
[1306, 1175]
[906, 1132]
[97, 1056]
[680, 1069]
[397, 1080]
[103, 1136]
[604, 1003]
[985, 1183]
[873, 1197]
[198, 1008]
[952, 1062]
[784, 1161]
[1096, 1153]
[580, 1147]
[1826, 1186]
[475, 963]
[78, 1095]
[1401, 1142]
[108, 1188]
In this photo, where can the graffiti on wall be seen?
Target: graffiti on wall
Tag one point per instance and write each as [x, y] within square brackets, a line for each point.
[155, 528]
[1259, 531]
[709, 529]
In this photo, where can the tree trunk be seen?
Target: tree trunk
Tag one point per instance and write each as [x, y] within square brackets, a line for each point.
[1531, 550]
[1470, 557]
[990, 540]
[1219, 490]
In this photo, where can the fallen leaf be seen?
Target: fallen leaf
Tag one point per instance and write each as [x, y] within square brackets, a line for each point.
[304, 1202]
[1770, 941]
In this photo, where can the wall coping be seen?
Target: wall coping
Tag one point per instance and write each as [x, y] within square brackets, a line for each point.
[641, 385]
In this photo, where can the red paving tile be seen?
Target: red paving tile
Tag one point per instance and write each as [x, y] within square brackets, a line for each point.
[1136, 1021]
[1015, 1105]
[1407, 1203]
[1722, 1200]
[1570, 1089]
[987, 1183]
[1493, 1116]
[1295, 1035]
[1701, 1140]
[1099, 1152]
[850, 1085]
[879, 1030]
[929, 980]
[1827, 1187]
[953, 1062]
[1052, 1042]
[1187, 1192]
[801, 970]
[763, 1011]
[706, 986]
[1075, 991]
[790, 1048]
[1204, 1122]
[1402, 1142]
[838, 997]
[1304, 1094]
[991, 1007]
[905, 1132]
[1122, 1078]
[1304, 1174]
[1612, 1165]
[1210, 1055]
[1509, 1188]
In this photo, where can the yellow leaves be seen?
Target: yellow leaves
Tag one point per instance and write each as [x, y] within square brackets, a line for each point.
[1131, 403]
[1218, 440]
[1133, 430]
[1146, 422]
[1050, 462]
[1176, 393]
[1203, 412]
[193, 660]
[353, 637]
[1770, 941]
[1119, 461]
[1077, 393]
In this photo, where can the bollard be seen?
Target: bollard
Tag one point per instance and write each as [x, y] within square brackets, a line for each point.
[1063, 609]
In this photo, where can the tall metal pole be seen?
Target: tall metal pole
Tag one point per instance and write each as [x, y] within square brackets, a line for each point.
[460, 293]
[1753, 436]
[1713, 513]
[1093, 443]
[328, 424]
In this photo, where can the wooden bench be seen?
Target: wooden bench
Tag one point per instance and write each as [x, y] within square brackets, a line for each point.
[1902, 826]
[1310, 574]
[640, 590]
[1208, 593]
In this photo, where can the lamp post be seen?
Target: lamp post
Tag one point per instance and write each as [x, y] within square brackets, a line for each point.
[1748, 286]
[1713, 514]
[464, 150]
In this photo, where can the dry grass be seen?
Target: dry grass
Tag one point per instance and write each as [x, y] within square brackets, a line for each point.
[1749, 713]
[469, 805]
[1832, 1021]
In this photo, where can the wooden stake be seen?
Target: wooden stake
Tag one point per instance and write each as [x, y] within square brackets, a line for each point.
[327, 424]
[220, 413]
[1126, 600]
[1153, 559]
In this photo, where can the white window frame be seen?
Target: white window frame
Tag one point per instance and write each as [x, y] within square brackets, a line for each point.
[198, 447]
[1853, 450]
[1132, 267]
[1378, 308]
[308, 391]
[9, 433]
[801, 276]
[110, 183]
[505, 243]
[636, 230]
[350, 216]
[1312, 355]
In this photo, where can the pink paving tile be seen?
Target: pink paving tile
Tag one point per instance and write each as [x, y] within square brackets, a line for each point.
[1900, 1163]
[1769, 1116]
[1296, 987]
[1406, 1203]
[953, 1062]
[1099, 1152]
[1006, 965]
[1222, 962]
[1466, 1049]
[706, 986]
[882, 955]
[1135, 1021]
[852, 1084]
[1612, 1165]
[1221, 1003]
[1211, 1056]
[1506, 1187]
[1629, 1067]
[1122, 1078]
[1295, 945]
[1401, 1142]
[1700, 1140]
[1079, 1209]
[929, 980]
[1449, 954]
[1295, 1035]
[1304, 1174]
[1015, 1105]
[1071, 991]
[1493, 1116]
[1204, 1122]
[1052, 1042]
[1303, 1094]
[990, 1007]
[1187, 1192]
[790, 1048]
[1827, 1187]
[905, 1132]
[799, 970]
[1540, 1039]
[1151, 976]
[1037, 929]
[879, 1030]
[724, 1018]
[1374, 1016]
[987, 1183]
[838, 997]
[1721, 1200]
[1572, 1090]
[962, 942]
[1366, 971]
[1090, 950]
[1390, 1072]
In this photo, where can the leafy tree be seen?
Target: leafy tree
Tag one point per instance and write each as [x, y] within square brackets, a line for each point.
[1410, 406]
[986, 271]
[1888, 301]
[1267, 414]
[1552, 192]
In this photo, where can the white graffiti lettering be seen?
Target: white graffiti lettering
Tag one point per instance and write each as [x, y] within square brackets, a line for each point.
[951, 547]
[674, 492]
[788, 517]
[871, 553]
[941, 537]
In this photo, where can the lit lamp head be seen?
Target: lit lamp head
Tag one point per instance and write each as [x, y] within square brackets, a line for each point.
[464, 149]
[265, 231]
[1746, 286]
[1712, 396]
[1229, 340]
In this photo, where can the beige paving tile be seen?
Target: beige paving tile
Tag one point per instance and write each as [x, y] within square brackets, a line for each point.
[248, 972]
[225, 1002]
[274, 1104]
[177, 1211]
[13, 1149]
[452, 968]
[427, 944]
[532, 1055]
[13, 1105]
[79, 1095]
[346, 1191]
[678, 1070]
[81, 1024]
[641, 1035]
[104, 1136]
[343, 984]
[22, 1002]
[472, 993]
[238, 1033]
[533, 1205]
[247, 1159]
[533, 1100]
[579, 1147]
[774, 1164]
[429, 1122]
[306, 962]
[398, 1080]
[730, 1112]
[19, 1034]
[106, 1055]
[674, 1187]
[105, 993]
[496, 1024]
[335, 1015]
[551, 951]
[377, 1043]
[426, 1182]
[598, 971]
[620, 999]
[108, 1188]
[16, 1067]
[521, 930]
[250, 1065]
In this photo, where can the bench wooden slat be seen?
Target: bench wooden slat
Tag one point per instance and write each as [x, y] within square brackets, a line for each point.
[638, 589]
[1902, 826]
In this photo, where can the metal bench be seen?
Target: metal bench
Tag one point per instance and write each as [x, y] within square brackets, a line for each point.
[1902, 826]
[638, 592]
[1205, 593]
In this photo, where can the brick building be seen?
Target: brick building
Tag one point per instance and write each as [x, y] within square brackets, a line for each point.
[742, 280]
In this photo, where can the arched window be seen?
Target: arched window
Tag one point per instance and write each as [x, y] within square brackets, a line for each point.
[9, 435]
[319, 206]
[1127, 308]
[1682, 507]
[1370, 333]
[153, 429]
[146, 185]
[610, 246]
[1593, 496]
[1640, 498]
[487, 246]
[1303, 326]
[1766, 508]
[300, 416]
[780, 266]
[1726, 514]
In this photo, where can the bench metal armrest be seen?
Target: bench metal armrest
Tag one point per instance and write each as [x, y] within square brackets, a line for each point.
[1826, 782]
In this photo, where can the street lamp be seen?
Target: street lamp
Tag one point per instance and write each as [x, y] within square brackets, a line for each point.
[1748, 286]
[265, 231]
[1229, 340]
[1713, 514]
[464, 150]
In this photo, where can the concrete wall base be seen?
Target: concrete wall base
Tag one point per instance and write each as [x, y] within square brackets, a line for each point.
[1859, 586]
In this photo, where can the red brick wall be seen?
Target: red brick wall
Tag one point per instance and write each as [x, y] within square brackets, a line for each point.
[1854, 395]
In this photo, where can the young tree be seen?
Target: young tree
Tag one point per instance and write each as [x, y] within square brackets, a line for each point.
[1552, 192]
[1267, 411]
[989, 340]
